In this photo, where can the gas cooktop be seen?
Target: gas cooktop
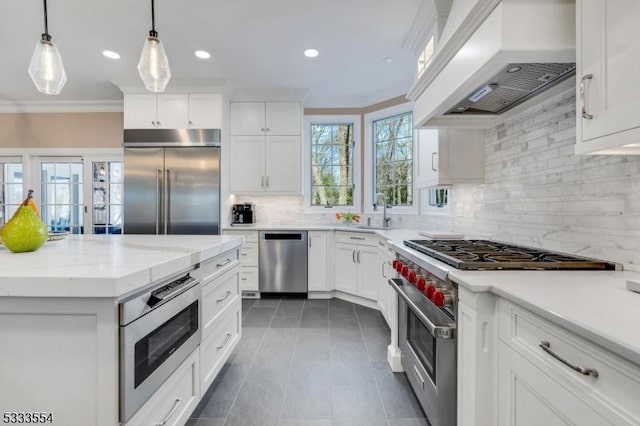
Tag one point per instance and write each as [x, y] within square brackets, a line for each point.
[488, 255]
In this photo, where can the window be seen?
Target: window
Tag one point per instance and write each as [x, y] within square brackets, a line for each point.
[425, 55]
[61, 194]
[332, 164]
[393, 159]
[107, 197]
[11, 192]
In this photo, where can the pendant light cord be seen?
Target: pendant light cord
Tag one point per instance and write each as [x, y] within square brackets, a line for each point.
[46, 35]
[153, 32]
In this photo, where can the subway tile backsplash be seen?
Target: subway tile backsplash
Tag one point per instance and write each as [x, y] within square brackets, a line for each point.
[536, 192]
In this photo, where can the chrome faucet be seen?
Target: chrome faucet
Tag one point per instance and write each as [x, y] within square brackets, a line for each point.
[385, 219]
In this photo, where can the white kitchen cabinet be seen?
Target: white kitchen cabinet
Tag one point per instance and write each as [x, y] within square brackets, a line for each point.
[317, 263]
[608, 58]
[249, 259]
[449, 156]
[357, 266]
[386, 294]
[172, 111]
[266, 147]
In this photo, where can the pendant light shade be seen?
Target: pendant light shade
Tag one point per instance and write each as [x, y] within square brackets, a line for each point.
[46, 69]
[153, 66]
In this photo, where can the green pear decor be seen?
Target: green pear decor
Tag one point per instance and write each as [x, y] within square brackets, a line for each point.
[24, 231]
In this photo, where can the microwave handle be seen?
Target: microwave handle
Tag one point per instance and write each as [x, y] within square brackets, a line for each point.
[154, 299]
[437, 331]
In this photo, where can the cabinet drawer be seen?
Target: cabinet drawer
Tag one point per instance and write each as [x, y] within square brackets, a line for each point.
[249, 278]
[210, 269]
[217, 346]
[249, 254]
[216, 296]
[249, 236]
[176, 398]
[613, 393]
[361, 238]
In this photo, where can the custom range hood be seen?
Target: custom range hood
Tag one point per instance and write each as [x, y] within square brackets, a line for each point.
[494, 59]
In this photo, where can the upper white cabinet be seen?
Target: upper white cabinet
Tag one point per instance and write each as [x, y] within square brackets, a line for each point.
[172, 111]
[608, 58]
[449, 156]
[265, 147]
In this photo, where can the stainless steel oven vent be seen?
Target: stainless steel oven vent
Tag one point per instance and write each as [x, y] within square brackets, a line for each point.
[513, 85]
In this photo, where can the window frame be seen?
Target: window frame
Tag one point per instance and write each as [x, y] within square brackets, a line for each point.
[370, 167]
[357, 187]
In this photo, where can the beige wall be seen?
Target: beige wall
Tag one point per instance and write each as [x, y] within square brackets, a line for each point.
[61, 130]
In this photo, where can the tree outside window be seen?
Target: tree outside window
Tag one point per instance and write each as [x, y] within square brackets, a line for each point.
[332, 164]
[393, 158]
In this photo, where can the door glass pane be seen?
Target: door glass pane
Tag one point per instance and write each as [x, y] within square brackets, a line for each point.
[107, 197]
[11, 191]
[61, 195]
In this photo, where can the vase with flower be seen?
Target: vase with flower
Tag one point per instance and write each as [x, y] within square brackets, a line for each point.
[348, 218]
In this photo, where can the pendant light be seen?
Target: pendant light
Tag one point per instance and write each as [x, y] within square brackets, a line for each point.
[154, 65]
[46, 69]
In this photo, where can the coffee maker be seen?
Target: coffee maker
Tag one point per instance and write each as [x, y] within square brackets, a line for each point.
[243, 214]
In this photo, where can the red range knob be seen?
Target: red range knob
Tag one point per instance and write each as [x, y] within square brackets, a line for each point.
[413, 277]
[405, 271]
[429, 291]
[394, 264]
[399, 266]
[421, 284]
[438, 298]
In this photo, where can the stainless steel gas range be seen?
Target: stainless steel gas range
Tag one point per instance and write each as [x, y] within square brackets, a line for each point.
[427, 307]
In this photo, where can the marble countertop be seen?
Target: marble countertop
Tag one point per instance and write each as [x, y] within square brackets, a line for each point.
[104, 265]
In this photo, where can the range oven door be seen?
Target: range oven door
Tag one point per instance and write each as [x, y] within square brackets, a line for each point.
[429, 356]
[154, 345]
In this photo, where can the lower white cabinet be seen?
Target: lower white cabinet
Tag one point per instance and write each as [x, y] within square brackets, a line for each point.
[357, 269]
[317, 263]
[217, 345]
[174, 402]
[249, 259]
[386, 295]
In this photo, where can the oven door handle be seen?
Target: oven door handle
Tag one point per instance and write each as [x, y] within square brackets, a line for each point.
[437, 331]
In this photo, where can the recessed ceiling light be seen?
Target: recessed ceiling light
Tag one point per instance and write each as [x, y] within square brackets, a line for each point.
[311, 53]
[388, 60]
[111, 54]
[202, 54]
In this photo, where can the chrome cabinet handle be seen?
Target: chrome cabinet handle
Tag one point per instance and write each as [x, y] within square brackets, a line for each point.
[173, 410]
[227, 294]
[224, 343]
[226, 262]
[583, 96]
[353, 256]
[262, 129]
[546, 346]
[383, 274]
[356, 238]
[358, 256]
[243, 279]
[433, 157]
[415, 370]
[262, 182]
[158, 177]
[267, 181]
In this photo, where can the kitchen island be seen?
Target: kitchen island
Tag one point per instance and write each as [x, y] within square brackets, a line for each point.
[60, 324]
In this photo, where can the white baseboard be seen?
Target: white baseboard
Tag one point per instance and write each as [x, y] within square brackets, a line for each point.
[394, 359]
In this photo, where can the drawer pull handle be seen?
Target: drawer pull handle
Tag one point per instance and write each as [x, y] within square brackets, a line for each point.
[546, 346]
[244, 254]
[224, 298]
[583, 96]
[226, 340]
[173, 410]
[357, 238]
[415, 370]
[226, 262]
[243, 279]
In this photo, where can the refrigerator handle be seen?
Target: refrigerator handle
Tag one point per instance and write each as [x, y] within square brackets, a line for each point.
[158, 177]
[166, 200]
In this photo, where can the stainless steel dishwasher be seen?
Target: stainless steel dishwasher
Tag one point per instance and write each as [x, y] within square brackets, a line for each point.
[283, 261]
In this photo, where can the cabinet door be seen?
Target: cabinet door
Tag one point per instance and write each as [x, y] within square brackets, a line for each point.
[140, 111]
[283, 164]
[317, 269]
[606, 53]
[283, 118]
[427, 153]
[346, 268]
[368, 272]
[528, 397]
[247, 164]
[386, 293]
[205, 111]
[173, 111]
[247, 118]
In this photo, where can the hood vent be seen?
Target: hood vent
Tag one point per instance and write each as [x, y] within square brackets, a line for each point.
[513, 85]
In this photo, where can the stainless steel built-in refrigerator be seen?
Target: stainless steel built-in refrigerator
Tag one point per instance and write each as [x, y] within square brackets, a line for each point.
[172, 181]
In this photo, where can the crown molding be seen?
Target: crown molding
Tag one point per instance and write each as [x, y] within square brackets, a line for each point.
[60, 106]
[274, 95]
[355, 101]
[479, 12]
[421, 27]
[214, 85]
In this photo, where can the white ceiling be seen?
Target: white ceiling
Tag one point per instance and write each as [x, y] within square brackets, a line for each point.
[255, 44]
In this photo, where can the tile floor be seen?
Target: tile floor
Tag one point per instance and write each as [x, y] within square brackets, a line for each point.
[309, 363]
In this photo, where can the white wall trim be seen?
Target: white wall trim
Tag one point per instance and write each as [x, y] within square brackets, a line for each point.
[60, 106]
[48, 152]
[306, 165]
[368, 161]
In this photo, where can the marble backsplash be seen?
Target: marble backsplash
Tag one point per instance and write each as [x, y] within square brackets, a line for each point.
[536, 192]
